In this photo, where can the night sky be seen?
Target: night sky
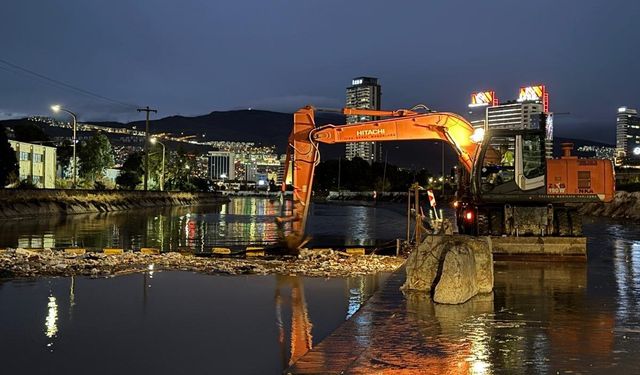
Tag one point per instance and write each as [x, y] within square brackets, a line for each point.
[192, 57]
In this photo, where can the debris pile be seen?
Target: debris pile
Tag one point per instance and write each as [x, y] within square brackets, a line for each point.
[320, 263]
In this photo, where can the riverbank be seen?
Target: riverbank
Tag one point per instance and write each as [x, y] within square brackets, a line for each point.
[625, 205]
[23, 263]
[21, 203]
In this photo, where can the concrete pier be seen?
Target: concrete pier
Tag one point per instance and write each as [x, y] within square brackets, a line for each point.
[540, 248]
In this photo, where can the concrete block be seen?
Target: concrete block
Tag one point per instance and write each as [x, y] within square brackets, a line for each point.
[355, 250]
[254, 251]
[221, 250]
[112, 251]
[75, 251]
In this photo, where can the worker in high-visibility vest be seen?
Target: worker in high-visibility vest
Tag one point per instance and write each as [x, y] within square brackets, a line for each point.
[507, 157]
[507, 162]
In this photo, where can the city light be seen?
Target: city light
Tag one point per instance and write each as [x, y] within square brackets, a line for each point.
[478, 135]
[636, 151]
[622, 109]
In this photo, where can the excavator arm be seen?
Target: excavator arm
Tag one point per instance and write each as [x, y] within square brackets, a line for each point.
[400, 125]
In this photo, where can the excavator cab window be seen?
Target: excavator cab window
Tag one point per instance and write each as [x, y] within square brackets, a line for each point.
[533, 156]
[498, 164]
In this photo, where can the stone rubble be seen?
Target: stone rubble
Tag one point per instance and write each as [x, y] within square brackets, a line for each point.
[23, 263]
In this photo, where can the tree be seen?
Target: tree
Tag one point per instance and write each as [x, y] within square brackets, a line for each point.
[64, 153]
[179, 170]
[131, 173]
[95, 156]
[8, 161]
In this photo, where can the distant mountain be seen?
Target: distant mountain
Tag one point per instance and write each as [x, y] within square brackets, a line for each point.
[273, 128]
[264, 127]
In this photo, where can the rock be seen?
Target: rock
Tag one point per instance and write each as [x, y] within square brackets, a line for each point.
[422, 264]
[457, 282]
[430, 264]
[481, 249]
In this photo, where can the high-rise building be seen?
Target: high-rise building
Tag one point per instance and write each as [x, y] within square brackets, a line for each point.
[36, 163]
[364, 93]
[221, 165]
[477, 112]
[512, 115]
[627, 137]
[524, 113]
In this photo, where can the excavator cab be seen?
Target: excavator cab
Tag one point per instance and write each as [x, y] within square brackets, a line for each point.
[510, 163]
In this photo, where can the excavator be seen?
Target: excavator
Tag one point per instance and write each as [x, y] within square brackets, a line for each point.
[506, 185]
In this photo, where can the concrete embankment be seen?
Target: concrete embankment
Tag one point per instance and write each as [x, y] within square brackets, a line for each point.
[625, 205]
[20, 203]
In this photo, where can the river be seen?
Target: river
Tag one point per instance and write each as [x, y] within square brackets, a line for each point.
[543, 317]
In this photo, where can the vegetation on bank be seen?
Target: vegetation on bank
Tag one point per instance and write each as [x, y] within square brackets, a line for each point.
[95, 156]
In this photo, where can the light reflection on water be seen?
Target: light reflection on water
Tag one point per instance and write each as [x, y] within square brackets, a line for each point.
[240, 222]
[542, 318]
[186, 322]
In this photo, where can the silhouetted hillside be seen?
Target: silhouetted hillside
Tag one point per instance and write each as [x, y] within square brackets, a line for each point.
[265, 127]
[273, 128]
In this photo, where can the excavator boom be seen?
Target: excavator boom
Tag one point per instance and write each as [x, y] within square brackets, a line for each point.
[402, 125]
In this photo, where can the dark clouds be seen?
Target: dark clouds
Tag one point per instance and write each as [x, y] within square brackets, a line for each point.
[195, 56]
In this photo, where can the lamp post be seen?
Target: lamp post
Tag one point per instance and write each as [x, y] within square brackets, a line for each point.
[56, 108]
[154, 141]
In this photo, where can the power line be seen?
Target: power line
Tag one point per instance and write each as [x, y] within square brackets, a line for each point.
[66, 85]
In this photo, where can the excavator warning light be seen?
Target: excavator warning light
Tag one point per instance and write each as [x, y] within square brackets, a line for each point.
[468, 216]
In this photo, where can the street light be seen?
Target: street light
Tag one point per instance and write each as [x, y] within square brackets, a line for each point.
[153, 141]
[56, 108]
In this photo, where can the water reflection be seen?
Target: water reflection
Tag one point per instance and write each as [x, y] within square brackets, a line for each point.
[208, 324]
[540, 319]
[301, 339]
[51, 320]
[239, 222]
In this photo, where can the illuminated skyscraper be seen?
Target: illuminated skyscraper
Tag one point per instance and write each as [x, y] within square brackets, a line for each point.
[364, 93]
[221, 165]
[627, 137]
[524, 113]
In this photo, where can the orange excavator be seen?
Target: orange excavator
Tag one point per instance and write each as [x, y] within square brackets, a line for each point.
[506, 186]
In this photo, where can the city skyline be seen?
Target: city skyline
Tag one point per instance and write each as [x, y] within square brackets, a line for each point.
[196, 58]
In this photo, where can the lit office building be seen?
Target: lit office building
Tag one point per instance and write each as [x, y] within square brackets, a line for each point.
[221, 165]
[364, 93]
[627, 137]
[36, 164]
[512, 115]
[477, 112]
[524, 113]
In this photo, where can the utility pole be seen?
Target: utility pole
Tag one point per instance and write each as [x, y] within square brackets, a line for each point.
[146, 145]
